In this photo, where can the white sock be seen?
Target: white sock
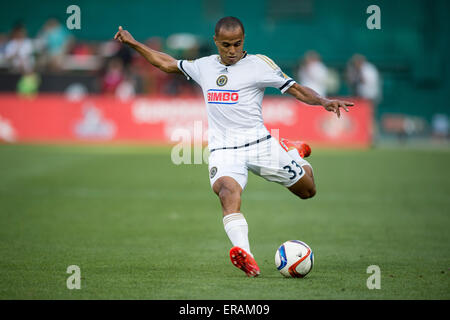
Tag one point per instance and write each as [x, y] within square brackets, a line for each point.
[236, 228]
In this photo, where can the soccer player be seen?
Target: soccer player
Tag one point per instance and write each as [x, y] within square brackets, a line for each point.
[233, 83]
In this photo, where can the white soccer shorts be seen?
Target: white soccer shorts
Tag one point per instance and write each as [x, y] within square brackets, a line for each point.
[266, 159]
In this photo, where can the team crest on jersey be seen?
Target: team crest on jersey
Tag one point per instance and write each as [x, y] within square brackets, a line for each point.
[222, 80]
[212, 172]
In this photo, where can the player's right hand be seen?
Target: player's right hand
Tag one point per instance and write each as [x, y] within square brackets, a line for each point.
[124, 36]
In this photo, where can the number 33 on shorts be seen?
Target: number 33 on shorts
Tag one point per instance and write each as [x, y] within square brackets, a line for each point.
[293, 172]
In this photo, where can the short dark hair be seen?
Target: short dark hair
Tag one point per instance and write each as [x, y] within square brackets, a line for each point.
[228, 23]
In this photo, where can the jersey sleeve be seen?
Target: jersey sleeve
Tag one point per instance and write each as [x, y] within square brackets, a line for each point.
[270, 75]
[190, 69]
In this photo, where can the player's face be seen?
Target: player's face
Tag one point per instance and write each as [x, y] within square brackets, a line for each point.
[230, 44]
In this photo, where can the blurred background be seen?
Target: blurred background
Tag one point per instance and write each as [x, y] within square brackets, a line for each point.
[83, 180]
[400, 71]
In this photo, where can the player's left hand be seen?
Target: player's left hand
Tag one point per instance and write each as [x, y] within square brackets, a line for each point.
[335, 105]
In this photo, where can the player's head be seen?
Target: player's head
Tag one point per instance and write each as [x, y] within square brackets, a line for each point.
[229, 38]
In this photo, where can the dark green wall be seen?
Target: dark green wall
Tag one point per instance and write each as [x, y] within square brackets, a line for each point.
[411, 50]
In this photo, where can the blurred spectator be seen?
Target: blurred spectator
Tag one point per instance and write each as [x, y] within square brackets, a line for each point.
[363, 78]
[109, 48]
[54, 41]
[313, 73]
[76, 92]
[3, 42]
[113, 76]
[364, 81]
[440, 125]
[19, 51]
[114, 49]
[154, 80]
[126, 90]
[28, 84]
[125, 53]
[82, 56]
[81, 50]
[186, 46]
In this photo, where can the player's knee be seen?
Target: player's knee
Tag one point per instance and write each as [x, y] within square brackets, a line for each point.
[311, 192]
[307, 194]
[304, 188]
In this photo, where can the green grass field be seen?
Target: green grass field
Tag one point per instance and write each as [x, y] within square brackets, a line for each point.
[140, 227]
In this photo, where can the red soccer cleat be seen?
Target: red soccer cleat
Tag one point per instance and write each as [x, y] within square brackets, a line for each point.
[244, 261]
[302, 147]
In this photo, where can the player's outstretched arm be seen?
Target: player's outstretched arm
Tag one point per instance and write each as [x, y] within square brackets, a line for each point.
[160, 60]
[309, 96]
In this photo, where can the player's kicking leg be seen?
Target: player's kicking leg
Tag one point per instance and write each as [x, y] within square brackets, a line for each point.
[229, 192]
[298, 150]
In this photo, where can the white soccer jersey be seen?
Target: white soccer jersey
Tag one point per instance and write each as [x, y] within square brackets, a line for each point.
[234, 94]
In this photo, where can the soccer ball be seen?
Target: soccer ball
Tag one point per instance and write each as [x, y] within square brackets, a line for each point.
[294, 259]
